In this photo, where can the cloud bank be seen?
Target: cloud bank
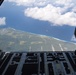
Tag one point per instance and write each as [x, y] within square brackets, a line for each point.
[30, 2]
[52, 14]
[58, 12]
[2, 21]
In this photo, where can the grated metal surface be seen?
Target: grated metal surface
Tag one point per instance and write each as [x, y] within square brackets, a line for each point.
[38, 63]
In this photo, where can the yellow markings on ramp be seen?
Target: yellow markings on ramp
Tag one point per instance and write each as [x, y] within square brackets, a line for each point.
[11, 43]
[22, 42]
[11, 33]
[41, 48]
[30, 48]
[14, 36]
[53, 48]
[36, 42]
[61, 47]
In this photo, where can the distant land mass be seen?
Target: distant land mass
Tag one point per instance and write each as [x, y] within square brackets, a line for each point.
[16, 40]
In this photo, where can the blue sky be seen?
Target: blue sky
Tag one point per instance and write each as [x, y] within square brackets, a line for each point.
[54, 18]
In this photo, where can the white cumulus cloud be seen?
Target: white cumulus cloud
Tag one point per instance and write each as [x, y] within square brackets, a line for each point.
[22, 2]
[52, 14]
[64, 2]
[58, 12]
[30, 2]
[2, 21]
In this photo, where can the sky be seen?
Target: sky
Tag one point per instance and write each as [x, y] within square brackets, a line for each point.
[55, 18]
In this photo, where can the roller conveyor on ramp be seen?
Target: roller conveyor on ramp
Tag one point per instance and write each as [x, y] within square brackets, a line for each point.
[38, 63]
